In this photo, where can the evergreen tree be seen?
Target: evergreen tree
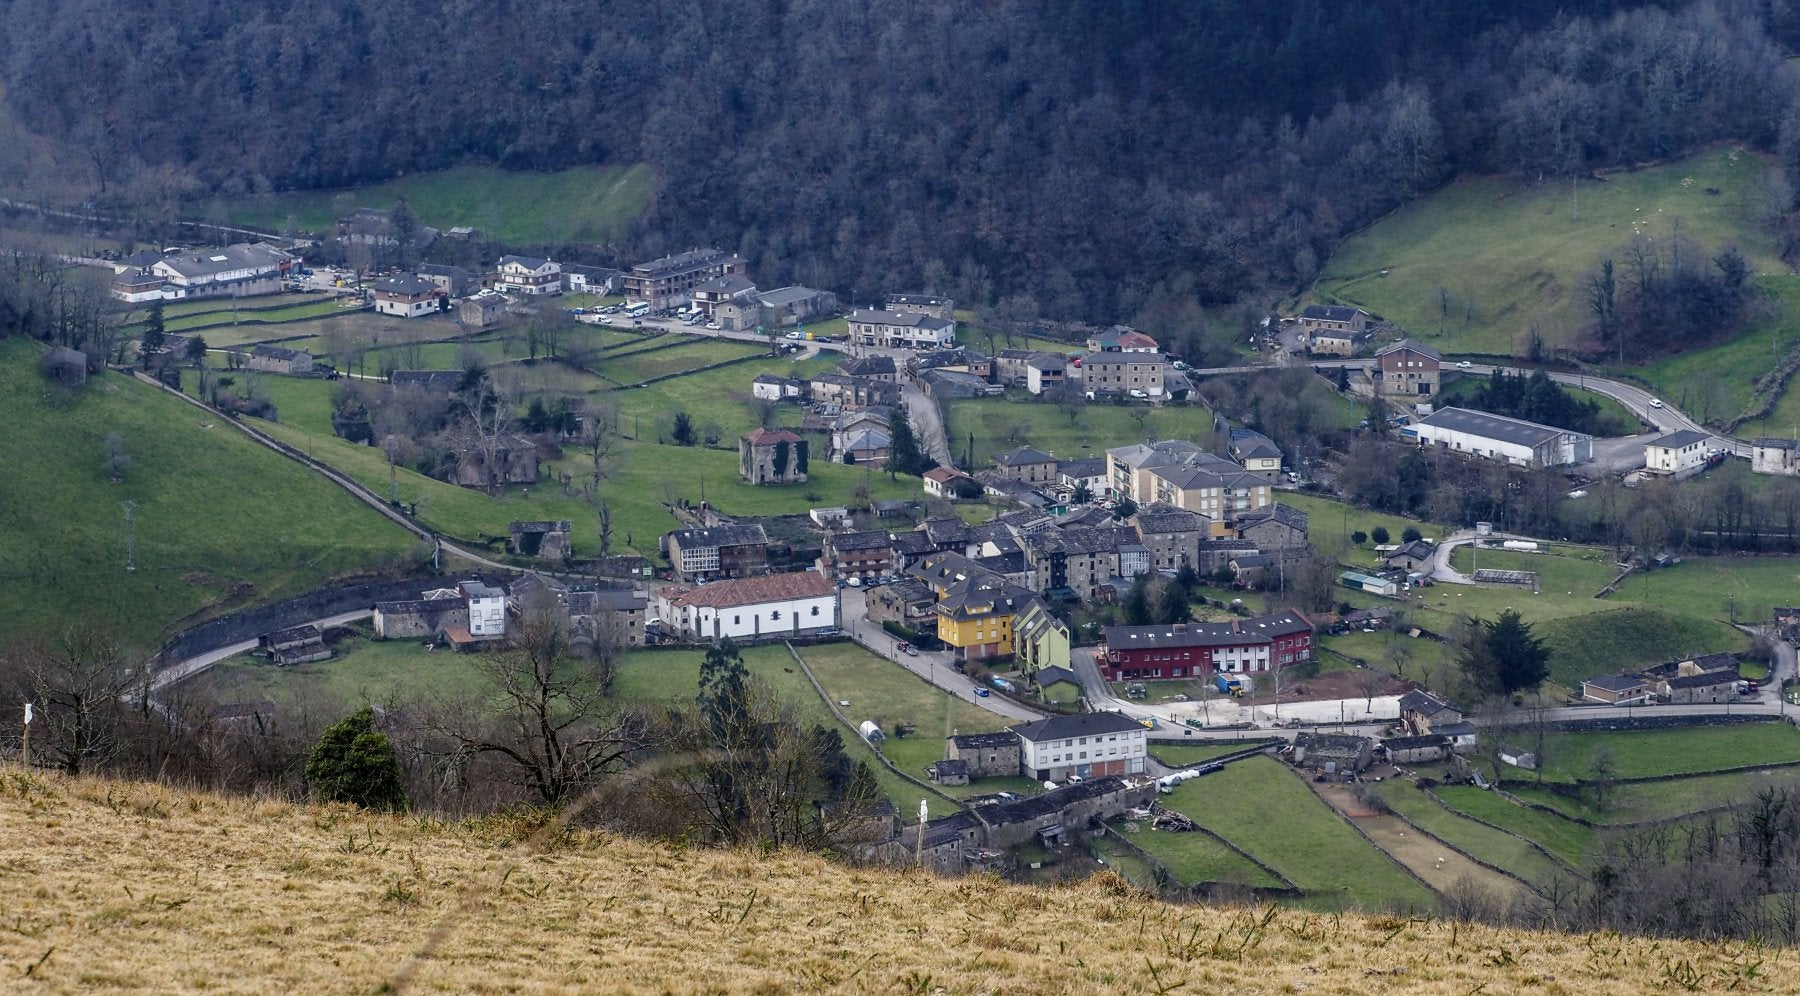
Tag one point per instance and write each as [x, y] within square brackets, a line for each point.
[1411, 534]
[683, 432]
[1137, 604]
[1380, 535]
[800, 457]
[354, 763]
[154, 333]
[904, 456]
[723, 681]
[1505, 657]
[1172, 607]
[196, 351]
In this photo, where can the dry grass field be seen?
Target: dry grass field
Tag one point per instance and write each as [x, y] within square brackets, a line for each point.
[109, 886]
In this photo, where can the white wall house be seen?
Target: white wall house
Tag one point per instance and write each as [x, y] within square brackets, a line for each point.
[235, 271]
[1497, 437]
[528, 275]
[1678, 454]
[906, 330]
[487, 609]
[408, 297]
[1093, 745]
[774, 606]
[1773, 455]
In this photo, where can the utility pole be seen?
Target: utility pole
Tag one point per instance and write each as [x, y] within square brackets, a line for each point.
[919, 847]
[130, 535]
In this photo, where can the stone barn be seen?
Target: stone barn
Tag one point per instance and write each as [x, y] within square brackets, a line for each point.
[547, 540]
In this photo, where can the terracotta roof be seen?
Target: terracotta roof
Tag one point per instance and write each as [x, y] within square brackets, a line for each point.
[769, 437]
[751, 591]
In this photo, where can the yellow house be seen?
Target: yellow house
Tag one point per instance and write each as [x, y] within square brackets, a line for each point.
[977, 618]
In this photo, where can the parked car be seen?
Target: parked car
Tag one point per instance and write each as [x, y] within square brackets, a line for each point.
[982, 692]
[911, 651]
[714, 327]
[1464, 365]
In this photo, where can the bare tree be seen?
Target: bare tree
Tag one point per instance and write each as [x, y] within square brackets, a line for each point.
[546, 717]
[1371, 683]
[78, 680]
[487, 419]
[600, 440]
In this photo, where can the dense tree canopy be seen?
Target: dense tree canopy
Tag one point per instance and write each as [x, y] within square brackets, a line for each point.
[1131, 160]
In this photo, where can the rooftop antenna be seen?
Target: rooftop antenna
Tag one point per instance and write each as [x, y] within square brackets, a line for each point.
[130, 535]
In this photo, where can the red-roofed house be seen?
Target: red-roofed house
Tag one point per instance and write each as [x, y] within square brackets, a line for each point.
[940, 482]
[775, 606]
[772, 456]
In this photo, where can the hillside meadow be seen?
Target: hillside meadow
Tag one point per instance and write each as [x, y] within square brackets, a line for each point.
[582, 204]
[220, 521]
[1470, 267]
[113, 894]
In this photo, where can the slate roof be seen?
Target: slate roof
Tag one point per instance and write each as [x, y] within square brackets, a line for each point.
[693, 259]
[1249, 444]
[1331, 746]
[905, 319]
[976, 741]
[1329, 313]
[1022, 456]
[1405, 344]
[1085, 725]
[409, 286]
[782, 297]
[528, 262]
[752, 591]
[919, 300]
[1047, 676]
[1416, 550]
[243, 256]
[1238, 632]
[735, 534]
[1169, 519]
[1704, 680]
[1678, 440]
[871, 540]
[1086, 467]
[729, 283]
[435, 381]
[1773, 443]
[1424, 703]
[1616, 682]
[1037, 807]
[1414, 743]
[769, 437]
[1287, 515]
[866, 366]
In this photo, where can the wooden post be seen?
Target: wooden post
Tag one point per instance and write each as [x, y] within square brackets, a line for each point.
[25, 739]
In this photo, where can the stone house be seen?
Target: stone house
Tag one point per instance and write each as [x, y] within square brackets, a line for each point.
[434, 612]
[1317, 318]
[988, 755]
[296, 645]
[1138, 375]
[1407, 371]
[734, 550]
[1774, 455]
[480, 311]
[908, 602]
[1344, 753]
[772, 456]
[1421, 712]
[281, 360]
[515, 461]
[865, 556]
[1414, 750]
[1273, 527]
[1028, 465]
[921, 304]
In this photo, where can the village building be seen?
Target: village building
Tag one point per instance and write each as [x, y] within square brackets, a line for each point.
[281, 360]
[579, 278]
[1074, 563]
[1028, 465]
[1615, 689]
[1332, 753]
[510, 459]
[1497, 437]
[668, 282]
[865, 556]
[1334, 342]
[1256, 453]
[908, 602]
[1678, 455]
[795, 305]
[1199, 650]
[528, 275]
[481, 311]
[296, 645]
[921, 304]
[1774, 455]
[241, 270]
[852, 393]
[1407, 371]
[1121, 339]
[774, 387]
[729, 288]
[1091, 745]
[725, 551]
[1135, 375]
[1315, 318]
[1041, 640]
[1276, 527]
[770, 607]
[1172, 536]
[986, 755]
[878, 367]
[940, 482]
[772, 456]
[452, 281]
[436, 611]
[408, 297]
[901, 329]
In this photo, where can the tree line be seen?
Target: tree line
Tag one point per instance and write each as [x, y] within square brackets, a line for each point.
[1135, 160]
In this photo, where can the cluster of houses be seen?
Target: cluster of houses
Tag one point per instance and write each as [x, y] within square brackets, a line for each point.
[1430, 729]
[1704, 678]
[472, 614]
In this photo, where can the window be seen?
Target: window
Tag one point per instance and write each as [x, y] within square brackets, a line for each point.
[776, 614]
[736, 621]
[815, 610]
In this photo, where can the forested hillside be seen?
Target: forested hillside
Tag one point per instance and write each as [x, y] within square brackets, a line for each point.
[1105, 161]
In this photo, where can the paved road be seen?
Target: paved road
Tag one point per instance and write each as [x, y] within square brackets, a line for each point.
[935, 667]
[182, 670]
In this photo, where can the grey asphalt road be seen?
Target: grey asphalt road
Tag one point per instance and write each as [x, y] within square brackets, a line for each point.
[934, 667]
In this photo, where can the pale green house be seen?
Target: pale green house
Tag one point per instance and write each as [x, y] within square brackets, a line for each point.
[1040, 639]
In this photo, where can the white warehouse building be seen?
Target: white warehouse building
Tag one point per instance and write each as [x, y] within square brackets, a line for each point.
[1496, 437]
